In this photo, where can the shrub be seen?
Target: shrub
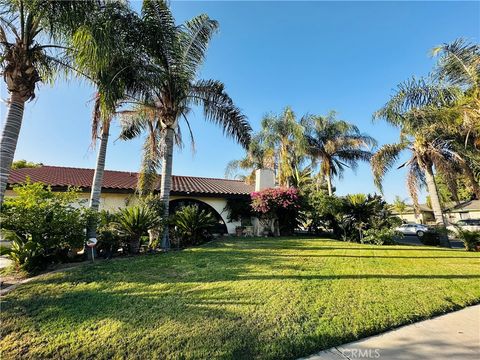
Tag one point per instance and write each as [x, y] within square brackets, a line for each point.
[469, 238]
[319, 211]
[108, 235]
[430, 238]
[280, 204]
[46, 225]
[134, 222]
[362, 212]
[192, 225]
[384, 236]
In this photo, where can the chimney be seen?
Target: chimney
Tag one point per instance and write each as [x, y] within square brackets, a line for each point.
[264, 179]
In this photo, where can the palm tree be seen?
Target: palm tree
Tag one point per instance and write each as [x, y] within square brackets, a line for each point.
[105, 52]
[425, 155]
[459, 65]
[257, 157]
[335, 145]
[400, 206]
[417, 108]
[177, 52]
[26, 60]
[283, 135]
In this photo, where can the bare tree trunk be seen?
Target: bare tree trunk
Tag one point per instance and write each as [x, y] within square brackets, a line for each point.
[329, 184]
[166, 182]
[9, 138]
[97, 181]
[435, 202]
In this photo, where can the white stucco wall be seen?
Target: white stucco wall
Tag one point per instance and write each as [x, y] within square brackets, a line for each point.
[113, 202]
[454, 217]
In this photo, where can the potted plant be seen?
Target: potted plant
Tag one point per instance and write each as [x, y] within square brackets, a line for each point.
[239, 230]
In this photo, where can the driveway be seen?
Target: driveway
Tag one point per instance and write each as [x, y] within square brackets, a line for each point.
[413, 240]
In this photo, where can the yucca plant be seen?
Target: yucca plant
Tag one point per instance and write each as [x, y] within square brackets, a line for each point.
[134, 222]
[192, 224]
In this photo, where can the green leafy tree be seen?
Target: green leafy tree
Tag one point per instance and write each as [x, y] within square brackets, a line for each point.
[32, 39]
[335, 145]
[21, 164]
[175, 54]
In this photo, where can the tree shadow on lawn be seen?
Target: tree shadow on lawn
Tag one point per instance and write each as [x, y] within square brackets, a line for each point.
[143, 313]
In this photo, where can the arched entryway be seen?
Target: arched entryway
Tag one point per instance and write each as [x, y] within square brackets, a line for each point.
[220, 227]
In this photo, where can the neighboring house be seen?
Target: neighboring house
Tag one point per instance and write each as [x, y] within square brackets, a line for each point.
[453, 212]
[119, 189]
[425, 215]
[464, 210]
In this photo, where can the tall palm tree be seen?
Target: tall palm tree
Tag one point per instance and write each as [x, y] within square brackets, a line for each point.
[418, 108]
[32, 35]
[425, 156]
[105, 52]
[283, 134]
[335, 145]
[177, 52]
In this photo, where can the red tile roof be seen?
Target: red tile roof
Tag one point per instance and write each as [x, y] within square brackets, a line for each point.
[122, 180]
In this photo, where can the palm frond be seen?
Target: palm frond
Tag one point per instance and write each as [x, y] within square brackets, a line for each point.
[383, 160]
[219, 108]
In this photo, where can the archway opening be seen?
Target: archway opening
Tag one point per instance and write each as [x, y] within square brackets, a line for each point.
[220, 226]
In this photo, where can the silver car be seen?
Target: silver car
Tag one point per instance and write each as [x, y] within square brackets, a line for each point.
[465, 224]
[412, 229]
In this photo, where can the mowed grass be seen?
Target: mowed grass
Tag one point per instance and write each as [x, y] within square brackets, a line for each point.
[234, 299]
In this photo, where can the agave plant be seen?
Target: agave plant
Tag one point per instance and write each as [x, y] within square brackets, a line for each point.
[134, 222]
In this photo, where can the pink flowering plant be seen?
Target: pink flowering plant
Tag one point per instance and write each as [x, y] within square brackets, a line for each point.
[280, 204]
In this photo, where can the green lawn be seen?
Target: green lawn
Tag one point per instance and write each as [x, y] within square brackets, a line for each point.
[234, 299]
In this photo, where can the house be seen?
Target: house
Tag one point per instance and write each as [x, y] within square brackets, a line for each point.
[424, 216]
[119, 187]
[453, 212]
[465, 210]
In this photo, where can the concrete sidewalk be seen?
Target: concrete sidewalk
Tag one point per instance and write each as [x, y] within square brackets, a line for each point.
[455, 336]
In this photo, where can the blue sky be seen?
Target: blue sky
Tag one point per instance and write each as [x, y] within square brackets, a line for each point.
[312, 56]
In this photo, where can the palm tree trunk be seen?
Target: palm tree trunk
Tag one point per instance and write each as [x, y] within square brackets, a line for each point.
[473, 182]
[8, 141]
[434, 198]
[166, 182]
[97, 181]
[328, 177]
[435, 202]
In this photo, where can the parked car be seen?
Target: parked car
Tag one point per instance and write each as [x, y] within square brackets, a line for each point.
[466, 224]
[412, 229]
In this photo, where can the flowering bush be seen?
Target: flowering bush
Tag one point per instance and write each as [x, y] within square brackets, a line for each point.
[280, 204]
